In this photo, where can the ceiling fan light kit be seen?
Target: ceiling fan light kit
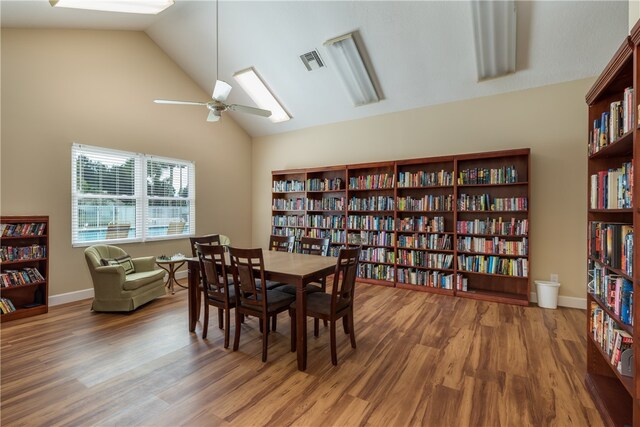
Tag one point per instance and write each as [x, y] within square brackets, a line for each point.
[149, 7]
[352, 70]
[251, 82]
[494, 34]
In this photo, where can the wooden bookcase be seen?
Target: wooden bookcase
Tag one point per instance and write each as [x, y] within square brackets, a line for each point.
[406, 216]
[613, 215]
[20, 251]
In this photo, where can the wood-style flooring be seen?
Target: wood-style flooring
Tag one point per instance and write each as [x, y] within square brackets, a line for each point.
[422, 359]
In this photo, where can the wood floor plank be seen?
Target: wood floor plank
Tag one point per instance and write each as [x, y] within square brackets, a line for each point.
[421, 359]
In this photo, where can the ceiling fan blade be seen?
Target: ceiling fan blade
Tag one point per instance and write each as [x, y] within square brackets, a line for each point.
[250, 110]
[166, 101]
[214, 116]
[221, 91]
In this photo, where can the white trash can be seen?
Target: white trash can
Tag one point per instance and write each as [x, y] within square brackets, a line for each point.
[547, 293]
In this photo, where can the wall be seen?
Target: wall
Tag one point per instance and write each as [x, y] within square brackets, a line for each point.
[551, 120]
[634, 13]
[96, 88]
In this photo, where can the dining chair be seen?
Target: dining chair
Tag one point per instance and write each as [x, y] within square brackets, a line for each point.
[281, 243]
[336, 305]
[311, 246]
[217, 291]
[254, 300]
[209, 239]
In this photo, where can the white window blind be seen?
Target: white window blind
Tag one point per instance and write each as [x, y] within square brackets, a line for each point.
[120, 197]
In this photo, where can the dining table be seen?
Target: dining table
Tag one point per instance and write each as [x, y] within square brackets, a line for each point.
[290, 268]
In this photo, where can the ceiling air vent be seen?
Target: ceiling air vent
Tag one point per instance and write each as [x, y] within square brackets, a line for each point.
[312, 60]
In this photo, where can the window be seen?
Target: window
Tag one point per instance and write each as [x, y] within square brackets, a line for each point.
[121, 197]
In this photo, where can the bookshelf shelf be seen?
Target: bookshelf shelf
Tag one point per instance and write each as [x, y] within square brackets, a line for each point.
[25, 282]
[494, 275]
[430, 186]
[613, 136]
[492, 254]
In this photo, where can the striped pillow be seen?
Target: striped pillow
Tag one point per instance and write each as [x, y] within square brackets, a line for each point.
[125, 261]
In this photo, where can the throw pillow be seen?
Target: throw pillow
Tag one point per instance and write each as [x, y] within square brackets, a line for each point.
[125, 261]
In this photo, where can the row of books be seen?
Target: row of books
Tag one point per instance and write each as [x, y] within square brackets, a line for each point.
[334, 236]
[425, 259]
[613, 291]
[15, 253]
[421, 224]
[612, 188]
[381, 238]
[608, 335]
[9, 278]
[425, 241]
[326, 184]
[372, 182]
[23, 229]
[287, 221]
[297, 204]
[284, 186]
[462, 283]
[612, 244]
[494, 265]
[431, 279]
[326, 204]
[494, 245]
[503, 175]
[425, 179]
[376, 271]
[370, 222]
[513, 227]
[428, 202]
[373, 203]
[612, 124]
[6, 306]
[483, 202]
[297, 232]
[324, 221]
[377, 255]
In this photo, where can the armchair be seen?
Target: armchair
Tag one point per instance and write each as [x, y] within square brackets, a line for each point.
[116, 291]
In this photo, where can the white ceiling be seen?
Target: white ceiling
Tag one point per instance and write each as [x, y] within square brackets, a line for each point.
[421, 51]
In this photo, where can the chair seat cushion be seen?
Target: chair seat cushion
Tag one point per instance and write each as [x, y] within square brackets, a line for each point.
[291, 289]
[218, 297]
[320, 303]
[270, 284]
[137, 280]
[276, 300]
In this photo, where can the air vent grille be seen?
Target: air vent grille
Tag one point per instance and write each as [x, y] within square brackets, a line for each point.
[312, 60]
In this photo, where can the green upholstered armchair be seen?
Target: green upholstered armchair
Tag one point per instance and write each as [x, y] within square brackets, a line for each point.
[116, 291]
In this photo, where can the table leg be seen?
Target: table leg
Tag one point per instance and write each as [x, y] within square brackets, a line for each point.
[194, 279]
[301, 326]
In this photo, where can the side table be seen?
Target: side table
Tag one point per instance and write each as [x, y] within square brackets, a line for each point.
[170, 266]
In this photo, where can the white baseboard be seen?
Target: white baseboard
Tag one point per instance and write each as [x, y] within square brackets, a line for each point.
[88, 293]
[570, 302]
[70, 297]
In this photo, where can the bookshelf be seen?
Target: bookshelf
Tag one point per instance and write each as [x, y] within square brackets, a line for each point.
[24, 266]
[421, 224]
[612, 215]
[288, 204]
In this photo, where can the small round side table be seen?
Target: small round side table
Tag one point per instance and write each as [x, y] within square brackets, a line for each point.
[170, 266]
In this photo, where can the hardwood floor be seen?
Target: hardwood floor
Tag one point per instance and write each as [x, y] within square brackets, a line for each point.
[422, 359]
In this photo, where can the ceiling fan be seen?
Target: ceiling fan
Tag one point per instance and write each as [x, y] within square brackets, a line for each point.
[220, 93]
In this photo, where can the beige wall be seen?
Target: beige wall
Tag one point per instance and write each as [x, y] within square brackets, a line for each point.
[634, 13]
[96, 88]
[551, 120]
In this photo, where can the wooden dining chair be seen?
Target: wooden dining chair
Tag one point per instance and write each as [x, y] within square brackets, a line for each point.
[282, 243]
[217, 291]
[334, 306]
[209, 239]
[251, 299]
[311, 246]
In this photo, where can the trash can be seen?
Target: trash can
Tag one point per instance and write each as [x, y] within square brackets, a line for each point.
[547, 293]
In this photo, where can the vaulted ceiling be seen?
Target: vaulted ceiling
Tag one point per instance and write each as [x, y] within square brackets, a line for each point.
[422, 51]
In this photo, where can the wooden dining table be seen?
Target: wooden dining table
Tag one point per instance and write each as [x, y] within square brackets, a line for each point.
[290, 268]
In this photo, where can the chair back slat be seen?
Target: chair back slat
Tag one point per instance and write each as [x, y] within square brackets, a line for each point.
[344, 278]
[245, 263]
[209, 239]
[213, 271]
[281, 243]
[314, 246]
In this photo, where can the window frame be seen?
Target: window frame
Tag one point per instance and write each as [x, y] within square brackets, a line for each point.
[141, 196]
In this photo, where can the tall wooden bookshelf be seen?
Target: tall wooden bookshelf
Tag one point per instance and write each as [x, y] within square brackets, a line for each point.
[25, 246]
[613, 214]
[413, 221]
